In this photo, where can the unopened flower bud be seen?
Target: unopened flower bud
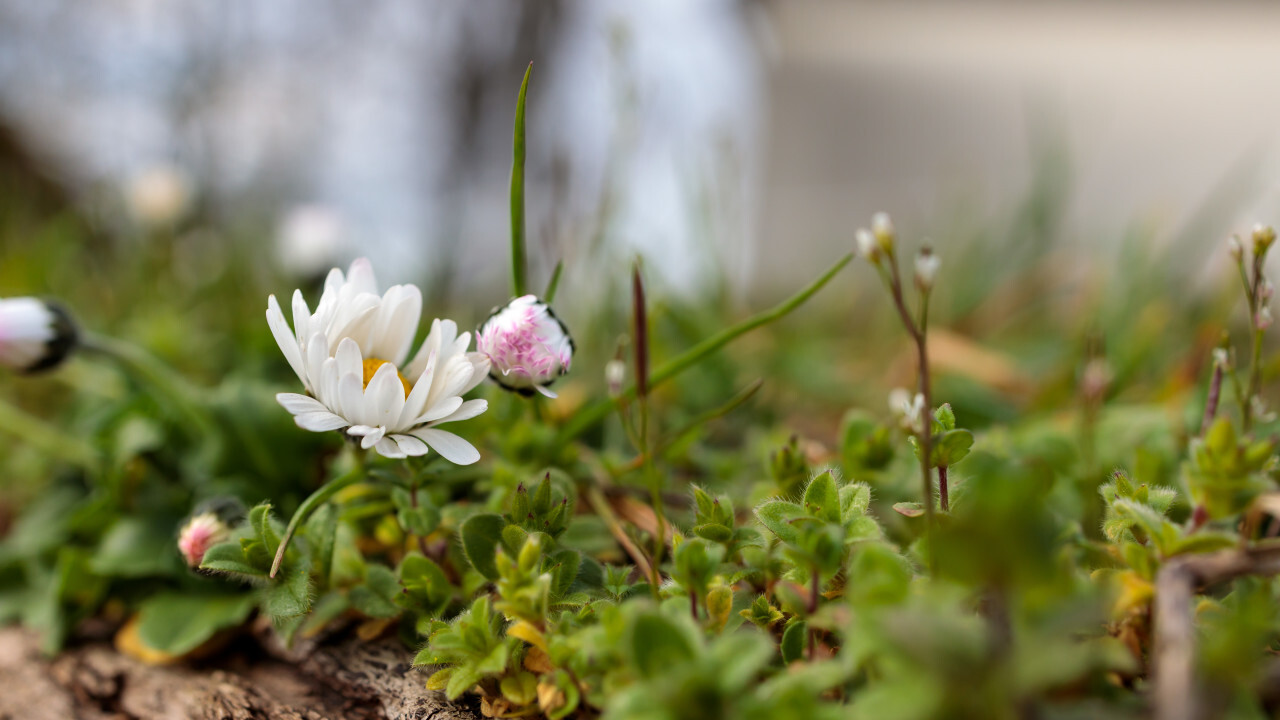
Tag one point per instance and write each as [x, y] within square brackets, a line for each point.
[1266, 290]
[1262, 320]
[867, 246]
[527, 346]
[201, 532]
[882, 228]
[615, 373]
[34, 334]
[1236, 248]
[1222, 359]
[927, 263]
[1263, 236]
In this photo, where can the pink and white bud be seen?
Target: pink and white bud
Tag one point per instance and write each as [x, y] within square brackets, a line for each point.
[1262, 320]
[201, 532]
[527, 346]
[34, 334]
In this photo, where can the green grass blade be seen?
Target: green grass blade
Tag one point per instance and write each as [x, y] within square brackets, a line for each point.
[517, 193]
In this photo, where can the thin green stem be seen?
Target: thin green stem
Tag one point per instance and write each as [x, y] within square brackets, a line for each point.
[553, 284]
[596, 412]
[518, 264]
[315, 500]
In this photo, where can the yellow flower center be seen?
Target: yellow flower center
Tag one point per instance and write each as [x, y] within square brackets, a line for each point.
[371, 366]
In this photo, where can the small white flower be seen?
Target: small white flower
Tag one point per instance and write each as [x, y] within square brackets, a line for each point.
[927, 263]
[34, 335]
[527, 345]
[908, 408]
[882, 227]
[1221, 359]
[867, 246]
[1259, 410]
[1236, 248]
[201, 532]
[615, 373]
[1266, 290]
[310, 239]
[350, 355]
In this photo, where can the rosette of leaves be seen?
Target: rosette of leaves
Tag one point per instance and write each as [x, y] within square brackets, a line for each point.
[817, 532]
[714, 520]
[1226, 471]
[474, 648]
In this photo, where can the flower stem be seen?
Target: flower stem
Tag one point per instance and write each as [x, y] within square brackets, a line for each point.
[943, 501]
[593, 414]
[1211, 402]
[315, 500]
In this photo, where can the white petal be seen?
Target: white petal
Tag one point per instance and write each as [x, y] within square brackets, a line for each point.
[350, 361]
[385, 396]
[301, 317]
[372, 438]
[298, 404]
[360, 276]
[468, 410]
[319, 421]
[450, 446]
[444, 408]
[360, 430]
[351, 399]
[417, 400]
[411, 445]
[285, 338]
[389, 448]
[315, 352]
[545, 391]
[397, 323]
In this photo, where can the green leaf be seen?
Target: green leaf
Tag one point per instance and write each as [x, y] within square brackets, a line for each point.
[517, 192]
[564, 570]
[714, 532]
[657, 644]
[462, 679]
[177, 623]
[945, 417]
[480, 537]
[793, 641]
[289, 595]
[425, 583]
[951, 447]
[779, 516]
[376, 597]
[136, 547]
[822, 498]
[229, 557]
[855, 498]
[909, 509]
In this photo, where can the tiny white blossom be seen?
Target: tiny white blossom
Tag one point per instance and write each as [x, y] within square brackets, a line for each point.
[1222, 358]
[615, 373]
[908, 408]
[34, 334]
[1266, 290]
[927, 263]
[882, 225]
[1235, 247]
[527, 346]
[867, 246]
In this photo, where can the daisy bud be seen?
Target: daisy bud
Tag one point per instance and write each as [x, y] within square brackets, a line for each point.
[867, 246]
[201, 532]
[1262, 320]
[615, 372]
[882, 228]
[34, 334]
[926, 268]
[1236, 248]
[527, 346]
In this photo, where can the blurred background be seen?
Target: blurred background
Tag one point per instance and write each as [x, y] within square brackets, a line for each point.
[165, 165]
[736, 139]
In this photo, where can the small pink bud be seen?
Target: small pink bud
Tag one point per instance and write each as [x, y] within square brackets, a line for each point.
[527, 346]
[1262, 320]
[199, 534]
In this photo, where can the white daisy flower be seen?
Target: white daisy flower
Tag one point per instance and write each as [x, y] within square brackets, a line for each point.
[34, 335]
[527, 345]
[350, 355]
